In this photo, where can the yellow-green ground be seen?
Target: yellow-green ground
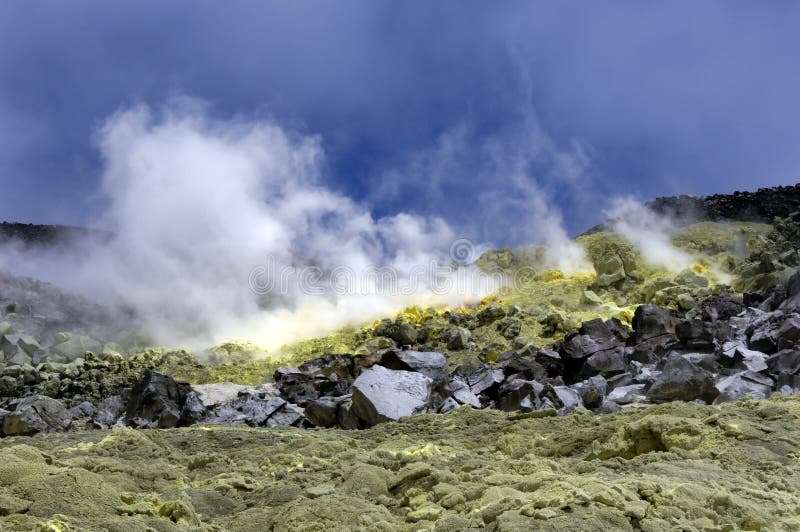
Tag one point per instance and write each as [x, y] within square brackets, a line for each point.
[666, 467]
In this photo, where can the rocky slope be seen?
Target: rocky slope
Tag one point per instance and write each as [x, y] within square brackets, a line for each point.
[763, 205]
[480, 417]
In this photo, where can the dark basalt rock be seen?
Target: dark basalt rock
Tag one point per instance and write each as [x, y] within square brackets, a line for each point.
[786, 362]
[651, 321]
[624, 395]
[522, 362]
[485, 380]
[327, 365]
[735, 354]
[764, 338]
[695, 335]
[322, 412]
[299, 387]
[721, 307]
[682, 380]
[591, 391]
[346, 416]
[592, 337]
[788, 333]
[519, 394]
[456, 338]
[156, 402]
[509, 327]
[462, 393]
[604, 363]
[763, 205]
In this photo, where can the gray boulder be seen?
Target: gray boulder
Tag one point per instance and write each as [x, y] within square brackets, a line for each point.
[591, 391]
[400, 331]
[682, 380]
[156, 402]
[35, 414]
[322, 412]
[462, 393]
[764, 335]
[651, 321]
[109, 411]
[569, 398]
[721, 307]
[592, 337]
[623, 395]
[735, 354]
[485, 380]
[743, 384]
[605, 363]
[491, 313]
[215, 394]
[789, 332]
[519, 394]
[253, 409]
[786, 362]
[430, 364]
[287, 415]
[381, 394]
[695, 334]
[346, 416]
[449, 405]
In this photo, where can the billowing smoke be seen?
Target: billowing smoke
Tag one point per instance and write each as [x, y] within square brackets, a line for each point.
[649, 232]
[223, 229]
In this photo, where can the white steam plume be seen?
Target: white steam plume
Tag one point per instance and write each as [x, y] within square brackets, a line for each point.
[198, 204]
[649, 232]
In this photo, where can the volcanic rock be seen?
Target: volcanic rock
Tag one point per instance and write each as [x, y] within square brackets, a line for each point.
[381, 394]
[591, 391]
[35, 414]
[695, 334]
[519, 394]
[431, 364]
[156, 402]
[485, 380]
[786, 362]
[744, 383]
[721, 307]
[651, 321]
[456, 338]
[322, 412]
[109, 411]
[682, 380]
[789, 332]
[400, 331]
[491, 313]
[462, 393]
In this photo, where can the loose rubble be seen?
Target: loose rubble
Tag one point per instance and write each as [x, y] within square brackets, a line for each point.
[720, 351]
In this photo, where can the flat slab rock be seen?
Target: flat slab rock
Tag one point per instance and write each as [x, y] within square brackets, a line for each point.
[381, 394]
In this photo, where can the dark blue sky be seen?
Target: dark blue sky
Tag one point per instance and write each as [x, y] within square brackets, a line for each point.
[416, 102]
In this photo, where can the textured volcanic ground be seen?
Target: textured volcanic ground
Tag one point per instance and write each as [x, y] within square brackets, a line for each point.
[631, 398]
